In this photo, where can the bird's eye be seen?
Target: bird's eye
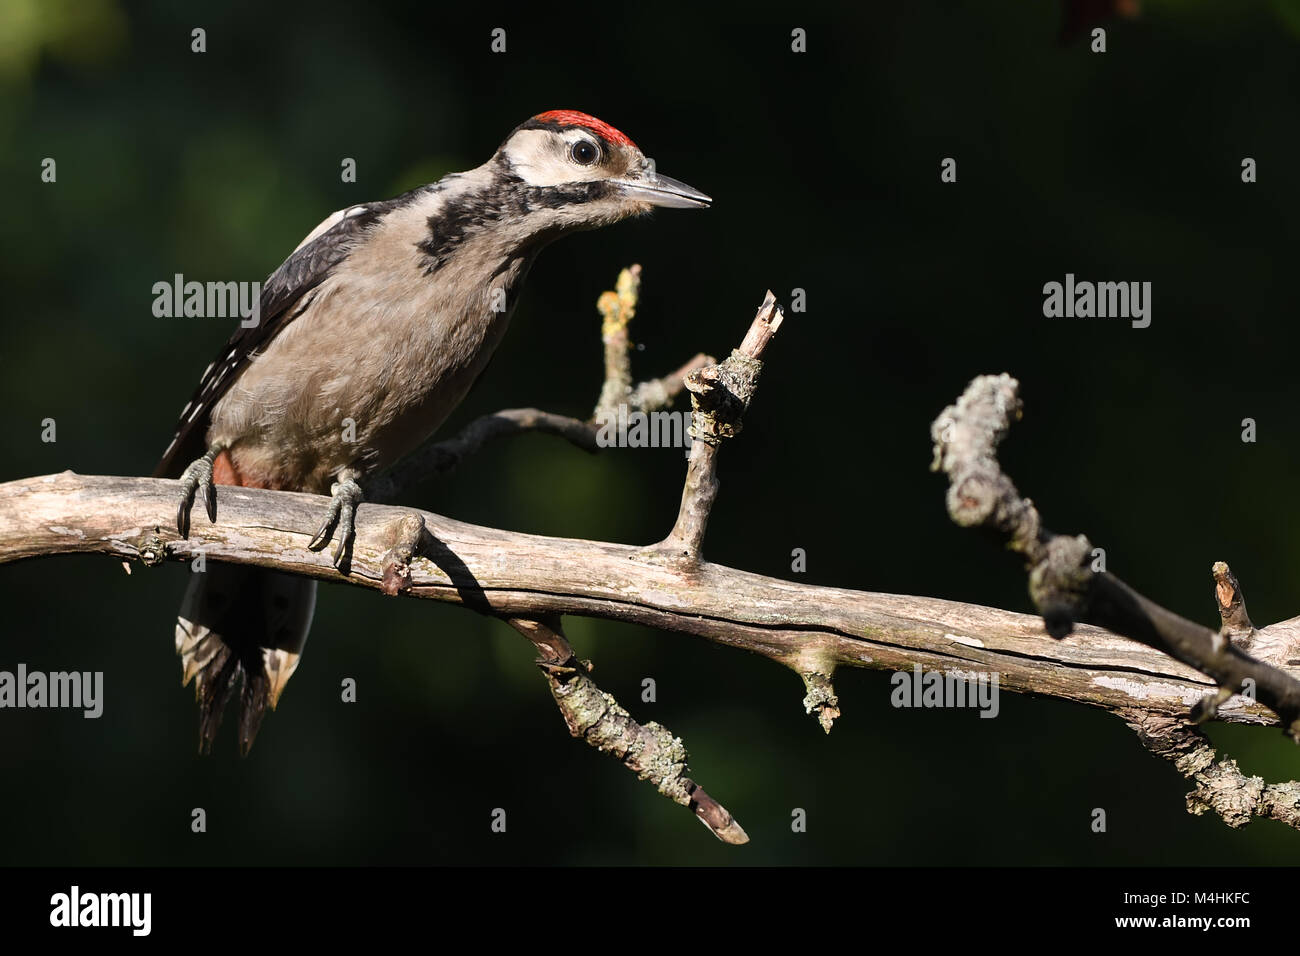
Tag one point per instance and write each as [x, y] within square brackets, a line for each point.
[584, 152]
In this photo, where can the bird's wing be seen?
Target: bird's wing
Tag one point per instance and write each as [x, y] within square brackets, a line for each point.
[285, 295]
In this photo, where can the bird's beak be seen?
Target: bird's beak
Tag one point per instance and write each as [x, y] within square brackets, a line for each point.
[660, 190]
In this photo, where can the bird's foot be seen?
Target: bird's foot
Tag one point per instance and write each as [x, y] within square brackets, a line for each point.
[347, 495]
[198, 477]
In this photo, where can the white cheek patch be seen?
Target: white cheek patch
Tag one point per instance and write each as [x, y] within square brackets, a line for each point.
[537, 161]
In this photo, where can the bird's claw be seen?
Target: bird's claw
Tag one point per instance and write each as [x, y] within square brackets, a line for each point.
[346, 495]
[197, 478]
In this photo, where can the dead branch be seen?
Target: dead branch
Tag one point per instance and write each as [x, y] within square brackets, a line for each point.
[810, 629]
[720, 394]
[1221, 787]
[530, 581]
[595, 717]
[1232, 607]
[617, 309]
[1062, 580]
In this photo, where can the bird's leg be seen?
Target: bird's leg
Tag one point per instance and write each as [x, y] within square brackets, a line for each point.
[198, 476]
[347, 495]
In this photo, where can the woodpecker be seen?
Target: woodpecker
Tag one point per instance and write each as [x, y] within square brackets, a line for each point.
[370, 334]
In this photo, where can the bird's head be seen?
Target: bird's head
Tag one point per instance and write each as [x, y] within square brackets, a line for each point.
[588, 172]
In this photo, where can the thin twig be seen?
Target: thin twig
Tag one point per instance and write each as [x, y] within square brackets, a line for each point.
[617, 308]
[657, 393]
[595, 717]
[438, 458]
[720, 394]
[1232, 607]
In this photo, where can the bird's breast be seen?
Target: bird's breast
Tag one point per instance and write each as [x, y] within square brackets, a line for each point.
[366, 373]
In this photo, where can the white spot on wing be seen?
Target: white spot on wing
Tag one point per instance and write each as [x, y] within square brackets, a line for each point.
[330, 221]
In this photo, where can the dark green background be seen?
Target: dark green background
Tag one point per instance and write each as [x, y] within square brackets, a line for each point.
[824, 168]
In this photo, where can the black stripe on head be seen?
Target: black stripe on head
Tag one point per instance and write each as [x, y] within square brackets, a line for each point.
[508, 198]
[568, 194]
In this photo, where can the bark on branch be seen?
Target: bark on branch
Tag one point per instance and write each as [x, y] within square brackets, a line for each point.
[648, 750]
[810, 629]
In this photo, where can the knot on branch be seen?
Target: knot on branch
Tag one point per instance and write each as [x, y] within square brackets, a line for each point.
[152, 551]
[1059, 582]
[1223, 789]
[821, 699]
[720, 394]
[405, 537]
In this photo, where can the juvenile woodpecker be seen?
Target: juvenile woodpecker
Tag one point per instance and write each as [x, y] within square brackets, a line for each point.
[384, 315]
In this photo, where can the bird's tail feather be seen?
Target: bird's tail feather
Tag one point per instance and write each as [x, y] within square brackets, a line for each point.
[240, 625]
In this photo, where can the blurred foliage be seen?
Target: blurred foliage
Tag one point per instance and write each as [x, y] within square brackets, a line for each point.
[825, 171]
[71, 32]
